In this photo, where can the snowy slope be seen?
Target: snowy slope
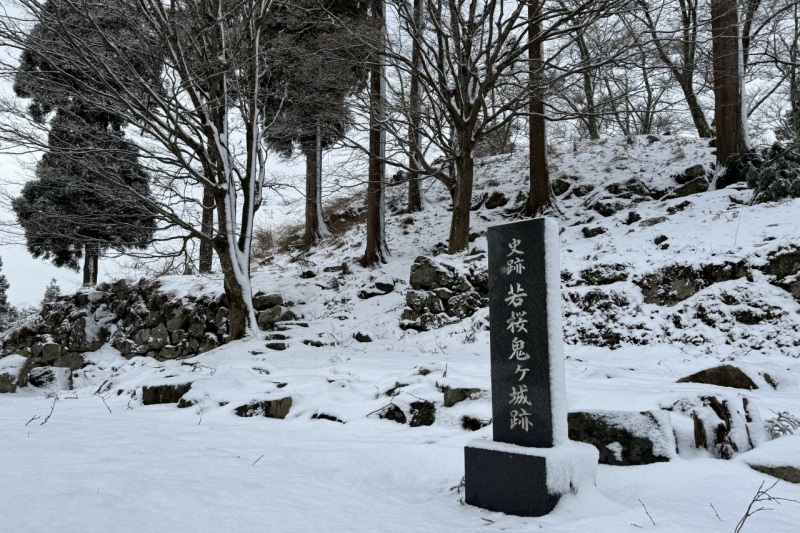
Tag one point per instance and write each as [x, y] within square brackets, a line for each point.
[96, 458]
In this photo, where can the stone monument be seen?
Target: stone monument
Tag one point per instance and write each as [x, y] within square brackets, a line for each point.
[530, 463]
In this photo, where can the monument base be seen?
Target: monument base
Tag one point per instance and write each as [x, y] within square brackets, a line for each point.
[523, 481]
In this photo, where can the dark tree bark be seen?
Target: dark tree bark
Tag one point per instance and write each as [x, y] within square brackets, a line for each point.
[315, 227]
[376, 250]
[415, 102]
[731, 135]
[207, 228]
[461, 195]
[539, 193]
[91, 262]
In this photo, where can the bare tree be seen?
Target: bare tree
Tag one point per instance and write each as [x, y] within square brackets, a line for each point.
[675, 36]
[468, 51]
[199, 113]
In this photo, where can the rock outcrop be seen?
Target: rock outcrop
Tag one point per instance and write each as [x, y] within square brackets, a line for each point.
[135, 318]
[441, 295]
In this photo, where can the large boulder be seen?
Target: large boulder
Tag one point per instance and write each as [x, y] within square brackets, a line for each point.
[625, 438]
[53, 378]
[722, 376]
[723, 425]
[164, 393]
[278, 408]
[427, 274]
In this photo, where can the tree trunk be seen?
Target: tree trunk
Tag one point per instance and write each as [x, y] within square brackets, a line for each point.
[698, 116]
[312, 231]
[592, 126]
[235, 267]
[91, 262]
[239, 296]
[728, 97]
[462, 201]
[207, 228]
[376, 244]
[539, 193]
[415, 103]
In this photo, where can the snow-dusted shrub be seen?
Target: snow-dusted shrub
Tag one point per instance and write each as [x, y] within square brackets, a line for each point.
[774, 174]
[783, 424]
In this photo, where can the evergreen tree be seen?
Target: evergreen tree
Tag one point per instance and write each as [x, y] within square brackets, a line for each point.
[52, 292]
[5, 308]
[318, 60]
[86, 195]
[8, 313]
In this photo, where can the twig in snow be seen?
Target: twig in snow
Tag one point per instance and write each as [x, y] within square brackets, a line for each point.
[645, 510]
[34, 417]
[257, 460]
[104, 403]
[382, 408]
[101, 387]
[52, 408]
[762, 495]
[715, 511]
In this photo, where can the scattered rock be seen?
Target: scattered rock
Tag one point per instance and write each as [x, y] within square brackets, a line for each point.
[661, 238]
[633, 216]
[473, 424]
[652, 221]
[696, 186]
[394, 413]
[268, 408]
[308, 274]
[625, 438]
[722, 376]
[423, 413]
[495, 200]
[786, 473]
[608, 207]
[559, 186]
[263, 301]
[593, 232]
[582, 190]
[314, 343]
[453, 395]
[158, 394]
[276, 345]
[678, 207]
[690, 174]
[362, 337]
[323, 416]
[381, 286]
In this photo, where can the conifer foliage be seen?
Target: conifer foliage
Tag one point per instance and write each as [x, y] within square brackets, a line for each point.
[72, 210]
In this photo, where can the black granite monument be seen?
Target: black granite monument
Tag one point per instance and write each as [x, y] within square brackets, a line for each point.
[530, 462]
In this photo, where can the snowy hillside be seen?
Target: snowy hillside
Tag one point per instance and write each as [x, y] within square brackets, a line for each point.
[657, 284]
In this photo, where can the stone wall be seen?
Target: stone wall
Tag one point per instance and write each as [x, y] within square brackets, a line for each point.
[135, 318]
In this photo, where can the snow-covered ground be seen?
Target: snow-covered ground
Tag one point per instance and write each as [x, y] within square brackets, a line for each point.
[96, 459]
